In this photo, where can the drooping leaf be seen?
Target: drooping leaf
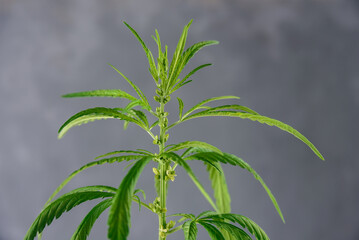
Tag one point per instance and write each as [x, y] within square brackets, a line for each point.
[84, 229]
[65, 203]
[232, 107]
[121, 151]
[231, 229]
[190, 230]
[88, 165]
[141, 116]
[195, 107]
[193, 177]
[261, 119]
[213, 232]
[101, 93]
[93, 114]
[187, 144]
[245, 222]
[119, 220]
[137, 89]
[234, 160]
[220, 189]
[147, 51]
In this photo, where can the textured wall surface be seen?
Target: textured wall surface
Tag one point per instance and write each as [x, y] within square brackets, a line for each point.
[293, 60]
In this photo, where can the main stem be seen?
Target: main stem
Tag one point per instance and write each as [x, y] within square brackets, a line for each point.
[163, 168]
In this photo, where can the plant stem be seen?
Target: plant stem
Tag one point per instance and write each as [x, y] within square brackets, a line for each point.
[163, 168]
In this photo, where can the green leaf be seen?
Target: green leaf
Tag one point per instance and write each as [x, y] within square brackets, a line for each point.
[195, 107]
[147, 51]
[231, 229]
[234, 160]
[187, 144]
[232, 107]
[186, 215]
[220, 189]
[190, 230]
[84, 229]
[137, 89]
[177, 54]
[122, 151]
[213, 232]
[65, 203]
[245, 222]
[261, 119]
[91, 164]
[93, 114]
[190, 173]
[119, 220]
[101, 93]
[141, 116]
[180, 107]
[187, 55]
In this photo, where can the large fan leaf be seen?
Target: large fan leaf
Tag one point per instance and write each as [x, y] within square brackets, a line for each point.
[234, 160]
[190, 230]
[119, 220]
[193, 177]
[84, 229]
[261, 119]
[88, 165]
[187, 144]
[101, 93]
[65, 203]
[94, 114]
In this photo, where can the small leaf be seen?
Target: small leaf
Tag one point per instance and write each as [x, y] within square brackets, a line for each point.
[122, 151]
[187, 144]
[190, 230]
[65, 203]
[101, 93]
[138, 91]
[180, 107]
[84, 229]
[119, 220]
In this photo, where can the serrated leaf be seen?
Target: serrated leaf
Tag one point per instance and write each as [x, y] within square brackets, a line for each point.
[193, 177]
[84, 229]
[261, 119]
[65, 203]
[101, 93]
[119, 220]
[231, 229]
[149, 55]
[195, 107]
[220, 189]
[93, 114]
[187, 144]
[137, 89]
[213, 232]
[180, 107]
[88, 165]
[234, 160]
[141, 116]
[182, 82]
[122, 151]
[245, 222]
[190, 230]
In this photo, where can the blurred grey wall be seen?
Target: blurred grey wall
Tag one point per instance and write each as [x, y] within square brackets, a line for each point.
[294, 60]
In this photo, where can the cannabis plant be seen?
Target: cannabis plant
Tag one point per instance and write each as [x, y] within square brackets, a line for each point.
[219, 222]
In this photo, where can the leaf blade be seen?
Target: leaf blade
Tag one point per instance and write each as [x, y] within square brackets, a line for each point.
[101, 93]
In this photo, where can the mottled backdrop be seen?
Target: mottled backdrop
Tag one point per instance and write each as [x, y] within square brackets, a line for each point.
[294, 60]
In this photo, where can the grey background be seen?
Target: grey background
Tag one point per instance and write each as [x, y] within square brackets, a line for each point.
[296, 61]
